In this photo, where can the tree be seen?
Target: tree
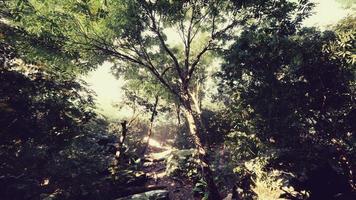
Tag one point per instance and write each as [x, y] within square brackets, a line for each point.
[41, 112]
[52, 144]
[143, 91]
[342, 48]
[294, 90]
[134, 34]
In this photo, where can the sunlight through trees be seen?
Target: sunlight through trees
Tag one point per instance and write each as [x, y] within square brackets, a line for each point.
[196, 99]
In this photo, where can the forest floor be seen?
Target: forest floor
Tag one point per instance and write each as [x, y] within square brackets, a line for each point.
[179, 188]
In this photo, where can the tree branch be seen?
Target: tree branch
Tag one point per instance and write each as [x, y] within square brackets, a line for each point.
[155, 28]
[214, 35]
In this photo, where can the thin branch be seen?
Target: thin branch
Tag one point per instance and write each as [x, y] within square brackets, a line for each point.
[165, 70]
[198, 24]
[134, 60]
[208, 46]
[104, 47]
[155, 28]
[189, 40]
[197, 60]
[181, 31]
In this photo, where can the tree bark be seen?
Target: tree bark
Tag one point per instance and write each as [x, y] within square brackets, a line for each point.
[196, 128]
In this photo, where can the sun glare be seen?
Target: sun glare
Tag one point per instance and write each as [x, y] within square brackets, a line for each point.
[154, 143]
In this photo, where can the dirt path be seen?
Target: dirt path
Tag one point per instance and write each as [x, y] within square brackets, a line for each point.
[178, 188]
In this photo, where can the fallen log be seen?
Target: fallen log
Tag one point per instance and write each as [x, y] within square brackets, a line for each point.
[153, 160]
[137, 190]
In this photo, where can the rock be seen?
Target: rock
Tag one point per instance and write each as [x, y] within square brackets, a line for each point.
[150, 195]
[228, 197]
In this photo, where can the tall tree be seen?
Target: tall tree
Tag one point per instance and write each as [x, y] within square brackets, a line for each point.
[136, 33]
[294, 90]
[41, 113]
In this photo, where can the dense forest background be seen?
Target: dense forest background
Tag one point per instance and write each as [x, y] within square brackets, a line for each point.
[224, 99]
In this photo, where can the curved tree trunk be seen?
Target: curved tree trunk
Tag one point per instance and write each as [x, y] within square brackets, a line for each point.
[196, 127]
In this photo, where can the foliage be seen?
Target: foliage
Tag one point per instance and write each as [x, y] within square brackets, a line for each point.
[343, 47]
[40, 114]
[270, 184]
[200, 189]
[265, 185]
[44, 48]
[289, 95]
[182, 163]
[133, 35]
[183, 139]
[217, 127]
[53, 145]
[292, 95]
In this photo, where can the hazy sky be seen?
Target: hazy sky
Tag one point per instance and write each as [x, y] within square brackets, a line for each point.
[108, 88]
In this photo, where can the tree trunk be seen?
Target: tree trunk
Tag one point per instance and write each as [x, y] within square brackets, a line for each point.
[154, 113]
[196, 127]
[178, 115]
[121, 149]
